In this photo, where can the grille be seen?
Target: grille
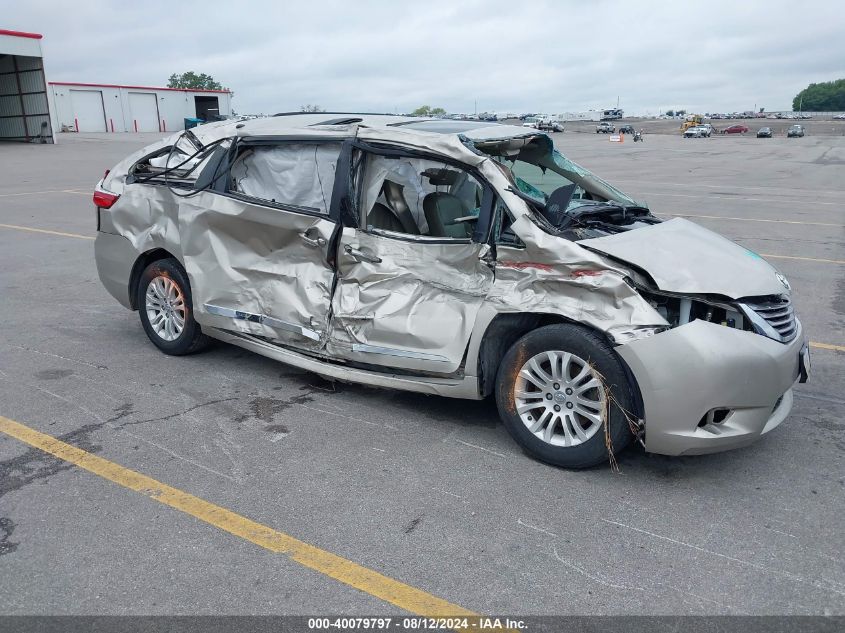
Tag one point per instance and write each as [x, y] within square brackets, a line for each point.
[778, 315]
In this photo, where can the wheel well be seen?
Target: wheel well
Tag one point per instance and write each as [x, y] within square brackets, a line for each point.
[140, 264]
[505, 329]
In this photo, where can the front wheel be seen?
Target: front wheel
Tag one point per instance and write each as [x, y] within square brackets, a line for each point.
[557, 388]
[166, 310]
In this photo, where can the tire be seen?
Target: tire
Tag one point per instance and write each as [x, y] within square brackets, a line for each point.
[588, 351]
[164, 284]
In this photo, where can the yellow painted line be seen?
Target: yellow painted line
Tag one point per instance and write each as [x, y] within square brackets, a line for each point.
[806, 259]
[371, 582]
[835, 348]
[34, 230]
[720, 217]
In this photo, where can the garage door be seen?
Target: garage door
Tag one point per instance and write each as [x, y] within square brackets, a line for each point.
[144, 110]
[88, 110]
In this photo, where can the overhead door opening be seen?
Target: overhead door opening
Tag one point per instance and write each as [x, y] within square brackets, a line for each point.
[88, 111]
[24, 111]
[144, 110]
[208, 108]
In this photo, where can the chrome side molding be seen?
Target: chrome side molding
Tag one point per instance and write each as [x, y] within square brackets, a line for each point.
[390, 351]
[276, 324]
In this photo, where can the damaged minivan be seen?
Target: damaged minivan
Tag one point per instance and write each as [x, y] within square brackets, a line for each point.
[455, 258]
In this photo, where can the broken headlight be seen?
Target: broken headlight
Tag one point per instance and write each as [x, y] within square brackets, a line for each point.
[679, 310]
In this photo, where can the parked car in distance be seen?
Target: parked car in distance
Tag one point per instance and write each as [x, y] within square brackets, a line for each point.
[453, 258]
[735, 129]
[605, 128]
[795, 131]
[699, 131]
[840, 116]
[764, 132]
[548, 124]
[626, 129]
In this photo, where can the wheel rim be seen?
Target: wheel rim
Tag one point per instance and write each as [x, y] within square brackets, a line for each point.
[560, 398]
[165, 306]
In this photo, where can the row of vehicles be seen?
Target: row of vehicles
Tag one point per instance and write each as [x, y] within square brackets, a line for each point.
[705, 130]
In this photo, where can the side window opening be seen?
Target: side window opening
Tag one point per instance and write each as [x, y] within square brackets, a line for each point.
[154, 166]
[300, 175]
[417, 196]
[503, 234]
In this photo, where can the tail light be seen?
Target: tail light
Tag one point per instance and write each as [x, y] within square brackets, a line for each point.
[104, 199]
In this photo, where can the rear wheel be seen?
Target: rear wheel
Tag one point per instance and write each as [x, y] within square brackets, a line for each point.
[562, 393]
[166, 310]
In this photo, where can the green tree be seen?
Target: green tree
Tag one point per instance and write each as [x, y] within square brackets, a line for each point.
[311, 108]
[681, 112]
[422, 111]
[670, 113]
[824, 97]
[437, 112]
[193, 81]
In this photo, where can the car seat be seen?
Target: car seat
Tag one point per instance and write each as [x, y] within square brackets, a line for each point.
[441, 209]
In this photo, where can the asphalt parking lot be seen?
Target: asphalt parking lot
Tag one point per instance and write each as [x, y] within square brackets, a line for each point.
[426, 491]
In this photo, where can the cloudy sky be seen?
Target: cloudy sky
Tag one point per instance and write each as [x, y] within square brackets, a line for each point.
[393, 56]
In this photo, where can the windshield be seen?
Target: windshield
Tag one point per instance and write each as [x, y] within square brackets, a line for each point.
[561, 192]
[540, 179]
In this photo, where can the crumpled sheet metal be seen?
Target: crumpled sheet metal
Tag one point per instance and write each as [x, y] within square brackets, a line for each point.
[556, 276]
[149, 218]
[252, 259]
[422, 297]
[448, 145]
[682, 256]
[419, 302]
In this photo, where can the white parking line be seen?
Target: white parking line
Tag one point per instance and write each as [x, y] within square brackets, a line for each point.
[36, 193]
[722, 217]
[711, 197]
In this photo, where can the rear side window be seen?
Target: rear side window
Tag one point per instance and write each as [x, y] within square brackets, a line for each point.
[299, 175]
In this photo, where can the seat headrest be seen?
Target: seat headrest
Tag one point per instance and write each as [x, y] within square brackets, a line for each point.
[441, 177]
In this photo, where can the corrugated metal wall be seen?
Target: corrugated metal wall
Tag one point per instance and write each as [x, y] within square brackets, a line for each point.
[24, 111]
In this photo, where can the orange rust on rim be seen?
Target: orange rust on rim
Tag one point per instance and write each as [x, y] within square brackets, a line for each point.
[524, 265]
[521, 354]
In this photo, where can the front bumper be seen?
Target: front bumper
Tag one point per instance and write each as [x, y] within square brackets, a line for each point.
[700, 367]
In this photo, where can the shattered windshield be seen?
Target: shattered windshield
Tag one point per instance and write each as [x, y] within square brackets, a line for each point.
[540, 179]
[562, 192]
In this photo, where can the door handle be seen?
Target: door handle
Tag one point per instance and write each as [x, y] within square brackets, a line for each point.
[319, 241]
[361, 256]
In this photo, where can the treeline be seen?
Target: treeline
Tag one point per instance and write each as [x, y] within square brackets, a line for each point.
[828, 96]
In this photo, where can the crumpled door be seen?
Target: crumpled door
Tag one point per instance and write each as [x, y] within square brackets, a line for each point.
[404, 303]
[258, 269]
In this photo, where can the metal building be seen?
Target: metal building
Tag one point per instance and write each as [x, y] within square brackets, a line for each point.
[24, 105]
[84, 107]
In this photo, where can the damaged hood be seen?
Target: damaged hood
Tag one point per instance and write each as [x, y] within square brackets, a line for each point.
[681, 256]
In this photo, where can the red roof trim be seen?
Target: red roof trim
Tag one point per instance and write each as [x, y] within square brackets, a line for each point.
[70, 83]
[32, 36]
